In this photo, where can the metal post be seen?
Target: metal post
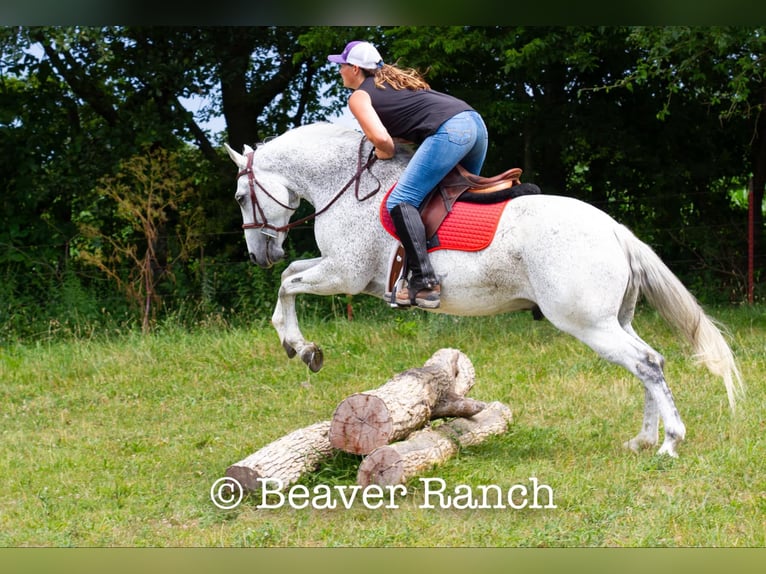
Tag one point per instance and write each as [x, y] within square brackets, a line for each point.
[750, 240]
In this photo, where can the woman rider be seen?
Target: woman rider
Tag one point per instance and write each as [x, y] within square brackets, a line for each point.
[394, 103]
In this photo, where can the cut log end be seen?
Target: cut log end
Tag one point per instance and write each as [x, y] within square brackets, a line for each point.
[458, 365]
[361, 423]
[383, 466]
[247, 477]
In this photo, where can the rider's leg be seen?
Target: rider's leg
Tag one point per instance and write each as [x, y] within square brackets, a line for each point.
[462, 138]
[423, 287]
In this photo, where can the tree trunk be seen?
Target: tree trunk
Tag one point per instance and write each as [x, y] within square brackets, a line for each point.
[365, 421]
[236, 48]
[398, 462]
[285, 459]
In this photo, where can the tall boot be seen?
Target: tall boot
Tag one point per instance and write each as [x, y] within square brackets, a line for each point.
[422, 288]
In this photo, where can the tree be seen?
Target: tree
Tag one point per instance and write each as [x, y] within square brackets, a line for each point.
[720, 68]
[75, 101]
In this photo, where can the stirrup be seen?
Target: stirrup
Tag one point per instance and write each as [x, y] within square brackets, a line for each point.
[394, 297]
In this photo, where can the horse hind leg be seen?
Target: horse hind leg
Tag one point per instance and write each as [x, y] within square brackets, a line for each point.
[658, 399]
[649, 433]
[623, 347]
[648, 366]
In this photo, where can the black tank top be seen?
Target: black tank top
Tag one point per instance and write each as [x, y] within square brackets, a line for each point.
[412, 114]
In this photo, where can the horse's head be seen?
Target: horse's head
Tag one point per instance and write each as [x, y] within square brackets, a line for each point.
[266, 205]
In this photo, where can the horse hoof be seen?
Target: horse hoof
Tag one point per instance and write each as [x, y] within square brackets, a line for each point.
[313, 357]
[288, 349]
[668, 450]
[638, 444]
[631, 445]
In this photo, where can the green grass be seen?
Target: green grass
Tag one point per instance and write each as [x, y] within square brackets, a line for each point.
[116, 442]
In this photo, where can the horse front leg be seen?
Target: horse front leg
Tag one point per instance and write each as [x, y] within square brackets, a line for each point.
[285, 319]
[314, 277]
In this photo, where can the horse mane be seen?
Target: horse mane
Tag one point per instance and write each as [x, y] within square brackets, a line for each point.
[324, 126]
[306, 136]
[323, 130]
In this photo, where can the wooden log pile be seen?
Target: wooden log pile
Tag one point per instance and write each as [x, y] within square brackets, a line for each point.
[390, 425]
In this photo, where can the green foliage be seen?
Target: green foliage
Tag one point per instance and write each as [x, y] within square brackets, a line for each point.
[151, 224]
[720, 66]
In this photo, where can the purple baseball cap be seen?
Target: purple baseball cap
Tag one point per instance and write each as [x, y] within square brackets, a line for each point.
[358, 53]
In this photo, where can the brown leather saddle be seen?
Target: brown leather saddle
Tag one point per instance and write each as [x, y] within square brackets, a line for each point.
[459, 185]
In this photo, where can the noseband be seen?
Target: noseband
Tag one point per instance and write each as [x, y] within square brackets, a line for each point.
[259, 216]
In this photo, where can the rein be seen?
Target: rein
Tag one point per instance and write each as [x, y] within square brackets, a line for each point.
[258, 210]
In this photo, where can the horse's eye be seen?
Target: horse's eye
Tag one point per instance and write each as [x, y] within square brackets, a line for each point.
[240, 197]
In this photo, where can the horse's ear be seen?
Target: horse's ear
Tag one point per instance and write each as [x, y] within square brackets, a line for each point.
[237, 158]
[248, 149]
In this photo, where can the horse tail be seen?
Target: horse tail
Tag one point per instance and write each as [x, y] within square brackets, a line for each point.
[663, 290]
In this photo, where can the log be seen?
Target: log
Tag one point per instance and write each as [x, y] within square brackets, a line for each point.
[286, 459]
[398, 462]
[365, 421]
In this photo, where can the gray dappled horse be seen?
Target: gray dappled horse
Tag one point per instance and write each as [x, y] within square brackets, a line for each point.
[582, 269]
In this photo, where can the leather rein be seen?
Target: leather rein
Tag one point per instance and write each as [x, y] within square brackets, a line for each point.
[258, 212]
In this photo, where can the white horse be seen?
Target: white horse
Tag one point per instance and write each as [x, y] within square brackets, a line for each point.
[580, 267]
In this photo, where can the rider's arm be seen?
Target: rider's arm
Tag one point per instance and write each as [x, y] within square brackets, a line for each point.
[361, 106]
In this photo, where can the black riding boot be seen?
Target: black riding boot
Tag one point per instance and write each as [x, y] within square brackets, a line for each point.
[423, 288]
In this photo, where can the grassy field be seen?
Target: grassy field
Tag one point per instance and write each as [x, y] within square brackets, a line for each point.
[116, 442]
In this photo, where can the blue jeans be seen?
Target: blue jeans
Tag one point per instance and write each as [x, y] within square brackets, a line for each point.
[462, 139]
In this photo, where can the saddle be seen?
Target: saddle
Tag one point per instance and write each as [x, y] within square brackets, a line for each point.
[458, 185]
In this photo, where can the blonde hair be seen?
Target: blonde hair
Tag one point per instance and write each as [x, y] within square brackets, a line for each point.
[398, 78]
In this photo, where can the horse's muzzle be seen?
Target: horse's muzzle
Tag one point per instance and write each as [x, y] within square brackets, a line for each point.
[268, 256]
[264, 249]
[265, 263]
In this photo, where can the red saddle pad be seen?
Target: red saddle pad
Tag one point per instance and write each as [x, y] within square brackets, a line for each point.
[468, 227]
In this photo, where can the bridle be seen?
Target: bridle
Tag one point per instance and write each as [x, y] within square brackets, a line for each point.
[259, 216]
